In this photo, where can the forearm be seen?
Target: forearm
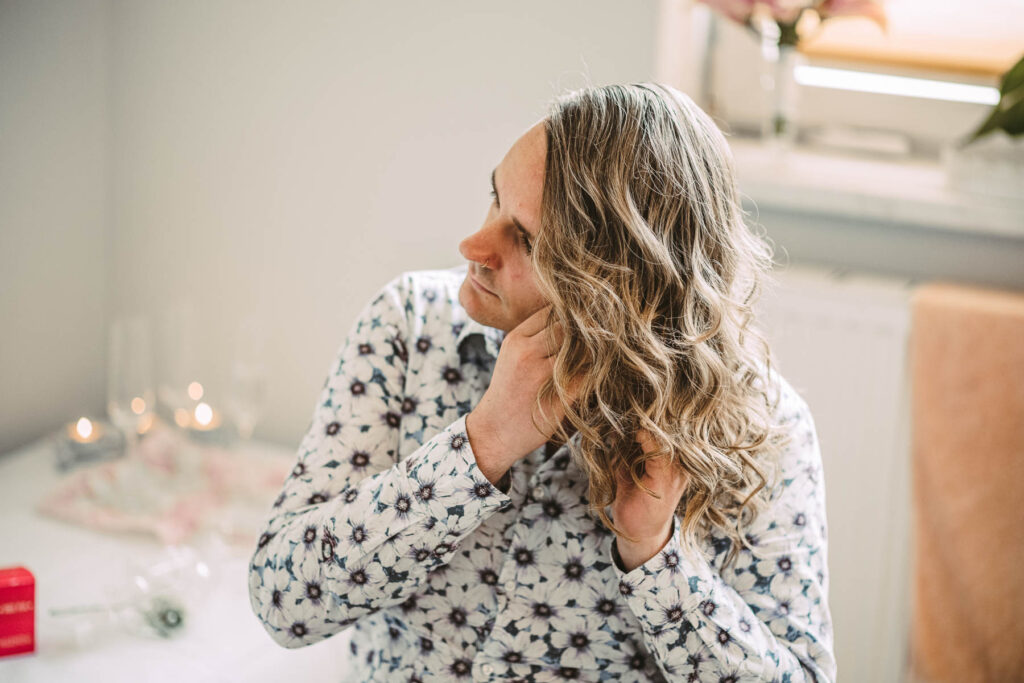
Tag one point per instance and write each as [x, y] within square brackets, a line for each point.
[371, 545]
[684, 606]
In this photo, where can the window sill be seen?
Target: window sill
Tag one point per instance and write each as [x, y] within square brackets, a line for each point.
[909, 192]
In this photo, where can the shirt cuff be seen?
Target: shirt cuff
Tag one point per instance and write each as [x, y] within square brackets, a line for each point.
[450, 494]
[668, 587]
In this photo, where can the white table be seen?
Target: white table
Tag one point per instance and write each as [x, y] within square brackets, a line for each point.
[73, 565]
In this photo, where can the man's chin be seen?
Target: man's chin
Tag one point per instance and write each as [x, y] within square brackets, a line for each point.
[469, 299]
[473, 303]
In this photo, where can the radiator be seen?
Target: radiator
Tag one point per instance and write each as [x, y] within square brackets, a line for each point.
[841, 341]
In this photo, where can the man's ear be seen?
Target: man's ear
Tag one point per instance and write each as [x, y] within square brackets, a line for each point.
[646, 441]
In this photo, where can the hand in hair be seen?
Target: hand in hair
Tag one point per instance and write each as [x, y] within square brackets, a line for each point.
[506, 425]
[645, 521]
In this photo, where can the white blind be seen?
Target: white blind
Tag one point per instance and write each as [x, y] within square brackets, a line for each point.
[977, 36]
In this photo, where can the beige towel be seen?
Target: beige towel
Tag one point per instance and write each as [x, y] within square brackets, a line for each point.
[967, 365]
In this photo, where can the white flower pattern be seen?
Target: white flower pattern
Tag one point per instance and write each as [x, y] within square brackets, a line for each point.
[386, 523]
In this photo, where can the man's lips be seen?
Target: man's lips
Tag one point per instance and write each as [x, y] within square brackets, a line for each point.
[480, 286]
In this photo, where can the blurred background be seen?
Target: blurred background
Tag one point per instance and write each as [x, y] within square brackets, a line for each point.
[196, 199]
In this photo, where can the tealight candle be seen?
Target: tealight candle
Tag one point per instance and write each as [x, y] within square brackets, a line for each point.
[205, 418]
[204, 424]
[85, 431]
[87, 440]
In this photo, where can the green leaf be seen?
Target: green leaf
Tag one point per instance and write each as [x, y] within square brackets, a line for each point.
[990, 124]
[1013, 119]
[1008, 113]
[1014, 78]
[1010, 120]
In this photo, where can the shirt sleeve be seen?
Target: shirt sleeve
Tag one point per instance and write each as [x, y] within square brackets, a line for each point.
[769, 620]
[354, 529]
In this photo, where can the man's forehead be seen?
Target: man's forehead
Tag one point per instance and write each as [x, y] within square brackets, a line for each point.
[520, 176]
[531, 148]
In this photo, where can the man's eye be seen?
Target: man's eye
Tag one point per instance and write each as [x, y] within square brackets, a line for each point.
[494, 196]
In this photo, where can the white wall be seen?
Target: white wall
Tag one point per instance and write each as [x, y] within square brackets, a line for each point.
[277, 159]
[54, 213]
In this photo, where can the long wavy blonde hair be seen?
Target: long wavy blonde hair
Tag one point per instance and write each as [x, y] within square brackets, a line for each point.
[652, 271]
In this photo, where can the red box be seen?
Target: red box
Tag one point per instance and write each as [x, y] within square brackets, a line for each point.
[17, 611]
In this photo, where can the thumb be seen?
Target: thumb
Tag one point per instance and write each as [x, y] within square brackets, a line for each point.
[572, 392]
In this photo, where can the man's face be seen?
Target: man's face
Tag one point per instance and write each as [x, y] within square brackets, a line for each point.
[500, 290]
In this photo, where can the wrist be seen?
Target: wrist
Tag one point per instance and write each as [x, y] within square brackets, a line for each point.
[485, 449]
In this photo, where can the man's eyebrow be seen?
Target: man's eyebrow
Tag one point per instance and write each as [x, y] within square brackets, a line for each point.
[515, 221]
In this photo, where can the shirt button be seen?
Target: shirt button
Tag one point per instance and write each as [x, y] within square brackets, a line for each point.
[487, 669]
[537, 492]
[510, 586]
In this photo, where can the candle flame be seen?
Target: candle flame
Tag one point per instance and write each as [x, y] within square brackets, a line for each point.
[138, 405]
[204, 414]
[146, 423]
[181, 417]
[84, 427]
[195, 391]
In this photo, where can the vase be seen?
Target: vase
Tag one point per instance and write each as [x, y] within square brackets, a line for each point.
[779, 88]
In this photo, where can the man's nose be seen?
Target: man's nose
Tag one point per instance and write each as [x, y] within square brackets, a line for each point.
[482, 247]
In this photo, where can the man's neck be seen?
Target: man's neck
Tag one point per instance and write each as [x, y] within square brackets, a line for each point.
[555, 443]
[549, 449]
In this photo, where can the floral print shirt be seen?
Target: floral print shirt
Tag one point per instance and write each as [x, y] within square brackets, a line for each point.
[386, 525]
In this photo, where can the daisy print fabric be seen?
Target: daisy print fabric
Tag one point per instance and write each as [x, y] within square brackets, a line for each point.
[386, 526]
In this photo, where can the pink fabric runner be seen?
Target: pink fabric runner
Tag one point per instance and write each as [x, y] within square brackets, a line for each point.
[170, 487]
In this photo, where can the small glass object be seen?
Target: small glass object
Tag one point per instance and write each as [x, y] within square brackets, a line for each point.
[247, 390]
[779, 87]
[130, 396]
[178, 389]
[156, 600]
[246, 396]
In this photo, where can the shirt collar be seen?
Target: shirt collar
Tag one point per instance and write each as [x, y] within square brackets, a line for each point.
[492, 337]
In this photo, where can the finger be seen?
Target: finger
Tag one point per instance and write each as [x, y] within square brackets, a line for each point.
[665, 475]
[556, 335]
[572, 392]
[535, 323]
[629, 489]
[623, 478]
[659, 469]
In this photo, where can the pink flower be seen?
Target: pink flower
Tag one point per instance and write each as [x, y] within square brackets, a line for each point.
[787, 11]
[740, 11]
[737, 10]
[845, 8]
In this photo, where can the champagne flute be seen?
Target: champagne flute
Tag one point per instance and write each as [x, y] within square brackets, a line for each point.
[247, 387]
[246, 397]
[130, 395]
[177, 365]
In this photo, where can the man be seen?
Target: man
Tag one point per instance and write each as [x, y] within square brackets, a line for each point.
[542, 466]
